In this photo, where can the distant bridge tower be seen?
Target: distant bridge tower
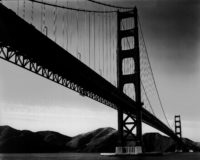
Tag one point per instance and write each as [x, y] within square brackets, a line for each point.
[178, 129]
[129, 122]
[178, 132]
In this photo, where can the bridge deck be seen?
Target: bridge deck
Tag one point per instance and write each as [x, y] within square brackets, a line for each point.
[28, 42]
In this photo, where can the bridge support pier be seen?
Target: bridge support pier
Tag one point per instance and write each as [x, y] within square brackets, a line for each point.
[127, 122]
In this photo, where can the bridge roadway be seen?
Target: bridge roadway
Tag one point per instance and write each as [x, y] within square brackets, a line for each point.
[24, 40]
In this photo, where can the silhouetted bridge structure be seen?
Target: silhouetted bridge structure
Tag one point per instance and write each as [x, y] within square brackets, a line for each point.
[23, 45]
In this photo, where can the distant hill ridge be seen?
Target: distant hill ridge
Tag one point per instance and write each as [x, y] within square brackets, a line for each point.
[99, 140]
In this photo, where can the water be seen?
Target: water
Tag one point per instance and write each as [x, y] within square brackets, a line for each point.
[96, 156]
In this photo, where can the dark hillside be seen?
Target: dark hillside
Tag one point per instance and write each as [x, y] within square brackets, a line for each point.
[99, 140]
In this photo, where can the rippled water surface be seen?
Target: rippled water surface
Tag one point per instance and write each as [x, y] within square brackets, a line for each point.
[96, 156]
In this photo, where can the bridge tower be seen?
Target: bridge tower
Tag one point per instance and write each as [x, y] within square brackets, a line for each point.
[126, 121]
[178, 132]
[178, 129]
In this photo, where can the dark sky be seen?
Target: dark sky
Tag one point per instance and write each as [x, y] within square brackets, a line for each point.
[174, 27]
[172, 34]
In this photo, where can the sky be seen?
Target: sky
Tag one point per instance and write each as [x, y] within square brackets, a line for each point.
[172, 35]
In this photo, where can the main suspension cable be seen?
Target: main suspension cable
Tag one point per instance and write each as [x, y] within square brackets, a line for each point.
[110, 5]
[153, 75]
[70, 8]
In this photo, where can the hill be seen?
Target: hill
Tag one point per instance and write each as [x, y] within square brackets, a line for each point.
[16, 141]
[155, 142]
[99, 140]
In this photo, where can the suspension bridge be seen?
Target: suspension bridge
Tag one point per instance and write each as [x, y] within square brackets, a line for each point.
[95, 49]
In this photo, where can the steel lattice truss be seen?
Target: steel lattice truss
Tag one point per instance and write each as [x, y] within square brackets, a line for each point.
[10, 54]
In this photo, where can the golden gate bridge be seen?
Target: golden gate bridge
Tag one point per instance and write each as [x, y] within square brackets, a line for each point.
[93, 48]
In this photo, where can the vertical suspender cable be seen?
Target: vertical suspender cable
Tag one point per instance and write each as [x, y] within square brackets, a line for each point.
[99, 35]
[89, 38]
[18, 7]
[63, 29]
[110, 48]
[77, 24]
[103, 43]
[67, 28]
[54, 22]
[94, 43]
[77, 34]
[114, 51]
[32, 11]
[77, 38]
[84, 37]
[44, 20]
[106, 48]
[110, 45]
[24, 5]
[107, 28]
[41, 27]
